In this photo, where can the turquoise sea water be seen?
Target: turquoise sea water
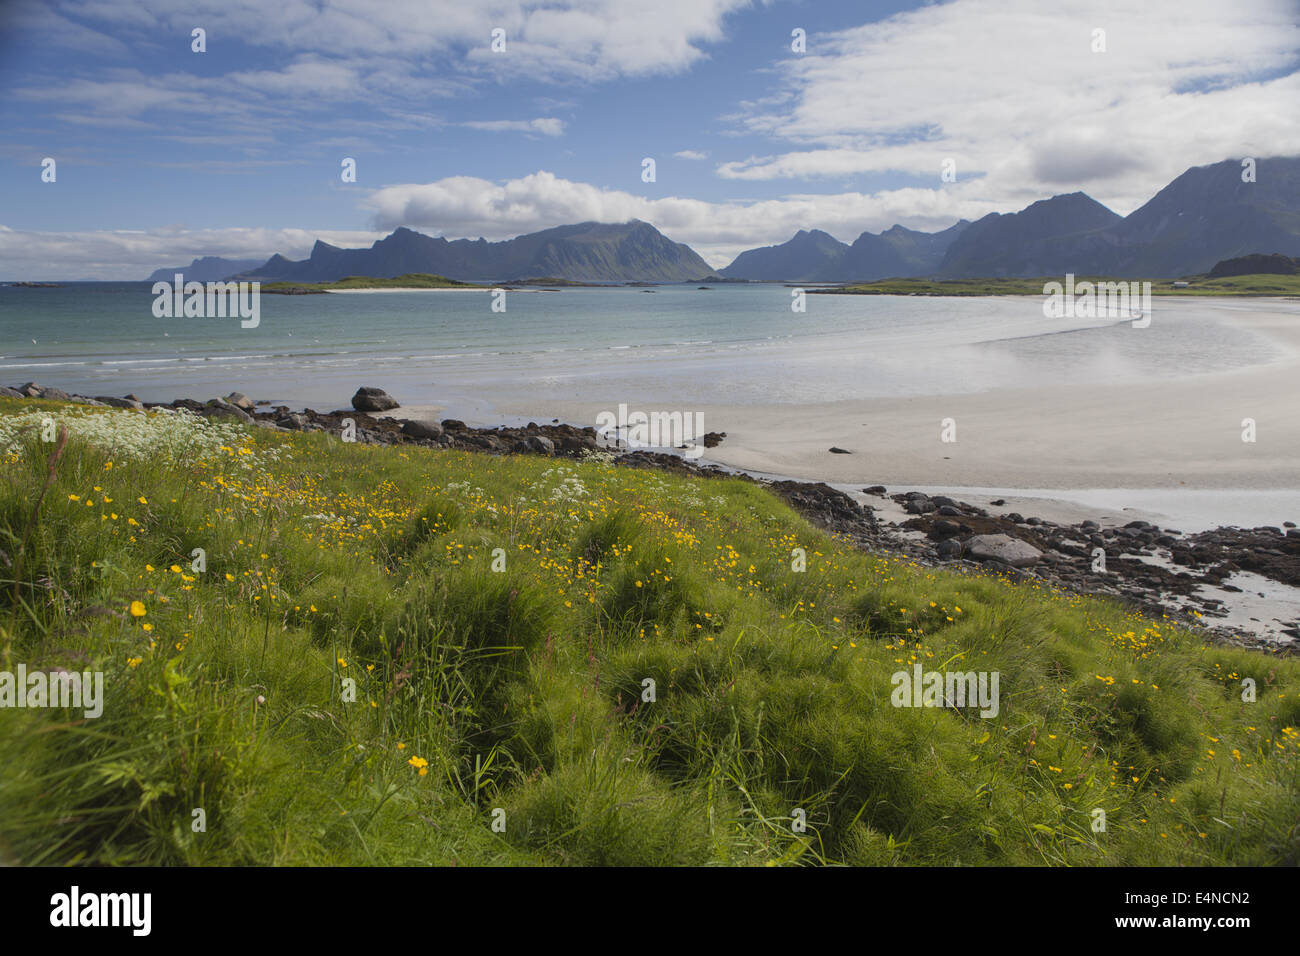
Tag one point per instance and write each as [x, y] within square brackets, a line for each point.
[677, 344]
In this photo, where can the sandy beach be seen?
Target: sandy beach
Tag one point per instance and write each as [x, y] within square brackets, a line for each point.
[1171, 434]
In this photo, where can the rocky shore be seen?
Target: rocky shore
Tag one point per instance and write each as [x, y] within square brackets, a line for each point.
[1159, 571]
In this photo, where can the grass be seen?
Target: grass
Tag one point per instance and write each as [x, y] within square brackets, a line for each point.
[1269, 285]
[411, 280]
[414, 656]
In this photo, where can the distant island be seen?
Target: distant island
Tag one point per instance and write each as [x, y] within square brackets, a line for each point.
[411, 280]
[1258, 284]
[206, 269]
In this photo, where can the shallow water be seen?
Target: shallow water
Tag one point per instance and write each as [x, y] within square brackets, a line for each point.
[678, 345]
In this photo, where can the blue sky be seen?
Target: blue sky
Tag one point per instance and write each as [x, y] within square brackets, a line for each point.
[163, 153]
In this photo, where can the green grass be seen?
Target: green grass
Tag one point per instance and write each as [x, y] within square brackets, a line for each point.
[519, 692]
[412, 280]
[1268, 285]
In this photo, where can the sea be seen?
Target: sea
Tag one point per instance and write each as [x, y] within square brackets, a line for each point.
[726, 344]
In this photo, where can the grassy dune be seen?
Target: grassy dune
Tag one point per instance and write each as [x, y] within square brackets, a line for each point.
[412, 280]
[1266, 285]
[515, 695]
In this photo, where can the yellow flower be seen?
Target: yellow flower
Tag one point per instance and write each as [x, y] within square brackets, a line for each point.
[418, 762]
[138, 609]
[342, 662]
[133, 661]
[148, 626]
[143, 500]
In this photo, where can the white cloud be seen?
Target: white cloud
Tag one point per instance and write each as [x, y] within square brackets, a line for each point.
[545, 39]
[546, 126]
[1013, 91]
[691, 154]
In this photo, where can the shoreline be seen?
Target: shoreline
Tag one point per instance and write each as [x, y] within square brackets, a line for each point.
[1238, 585]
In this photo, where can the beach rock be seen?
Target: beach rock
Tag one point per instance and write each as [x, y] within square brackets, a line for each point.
[292, 422]
[220, 408]
[453, 425]
[55, 394]
[428, 430]
[542, 445]
[240, 400]
[880, 490]
[919, 506]
[825, 505]
[368, 399]
[944, 529]
[1074, 549]
[1003, 549]
[6, 392]
[119, 402]
[950, 548]
[31, 390]
[836, 450]
[713, 439]
[578, 444]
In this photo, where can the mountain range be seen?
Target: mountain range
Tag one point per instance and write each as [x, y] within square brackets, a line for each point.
[1204, 216]
[1207, 214]
[633, 251]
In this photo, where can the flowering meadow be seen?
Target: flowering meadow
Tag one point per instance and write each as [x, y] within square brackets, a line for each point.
[326, 653]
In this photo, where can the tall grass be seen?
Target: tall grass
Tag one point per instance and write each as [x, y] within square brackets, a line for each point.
[412, 656]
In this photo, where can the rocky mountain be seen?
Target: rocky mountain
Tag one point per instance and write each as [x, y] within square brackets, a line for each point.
[897, 252]
[1032, 242]
[206, 269]
[815, 256]
[806, 257]
[1205, 215]
[633, 251]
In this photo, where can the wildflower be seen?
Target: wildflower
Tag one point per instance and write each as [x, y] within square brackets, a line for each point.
[138, 609]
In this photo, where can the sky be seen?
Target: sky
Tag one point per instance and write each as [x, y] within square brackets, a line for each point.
[163, 153]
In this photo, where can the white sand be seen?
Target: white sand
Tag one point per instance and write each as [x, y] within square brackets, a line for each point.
[1182, 433]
